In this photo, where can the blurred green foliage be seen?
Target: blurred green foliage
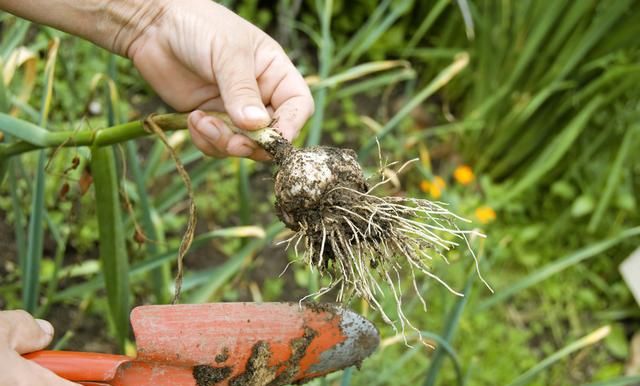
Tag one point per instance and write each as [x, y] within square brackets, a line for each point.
[545, 113]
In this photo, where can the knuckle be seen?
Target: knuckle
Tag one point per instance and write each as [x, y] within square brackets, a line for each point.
[243, 88]
[9, 319]
[21, 315]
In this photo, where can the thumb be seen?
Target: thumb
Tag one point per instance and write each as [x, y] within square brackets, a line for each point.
[23, 332]
[235, 74]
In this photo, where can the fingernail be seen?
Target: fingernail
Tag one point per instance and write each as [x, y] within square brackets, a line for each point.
[256, 114]
[210, 130]
[45, 326]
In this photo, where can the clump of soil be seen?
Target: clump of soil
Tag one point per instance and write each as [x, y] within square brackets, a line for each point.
[223, 356]
[257, 371]
[291, 366]
[206, 375]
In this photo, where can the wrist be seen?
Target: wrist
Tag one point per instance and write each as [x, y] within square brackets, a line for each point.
[111, 24]
[123, 22]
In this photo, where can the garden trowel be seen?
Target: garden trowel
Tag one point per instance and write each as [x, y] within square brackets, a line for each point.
[225, 344]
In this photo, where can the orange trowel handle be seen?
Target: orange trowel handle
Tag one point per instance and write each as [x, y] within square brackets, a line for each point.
[80, 366]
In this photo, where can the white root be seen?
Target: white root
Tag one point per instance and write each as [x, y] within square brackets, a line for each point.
[376, 241]
[364, 243]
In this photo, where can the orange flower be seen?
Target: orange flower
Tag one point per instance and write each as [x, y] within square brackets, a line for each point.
[463, 174]
[485, 214]
[434, 188]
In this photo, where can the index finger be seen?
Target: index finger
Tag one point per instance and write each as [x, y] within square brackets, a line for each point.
[283, 88]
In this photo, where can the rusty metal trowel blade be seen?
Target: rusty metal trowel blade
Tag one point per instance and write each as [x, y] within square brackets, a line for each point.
[249, 343]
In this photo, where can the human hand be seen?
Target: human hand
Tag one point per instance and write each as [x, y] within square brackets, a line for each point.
[197, 54]
[20, 333]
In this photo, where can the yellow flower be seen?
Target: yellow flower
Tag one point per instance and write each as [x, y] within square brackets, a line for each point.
[463, 174]
[425, 186]
[433, 188]
[485, 214]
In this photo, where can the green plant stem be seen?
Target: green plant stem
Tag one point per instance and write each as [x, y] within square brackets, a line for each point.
[14, 37]
[445, 76]
[141, 268]
[593, 338]
[52, 286]
[160, 275]
[4, 168]
[101, 137]
[31, 269]
[346, 376]
[622, 381]
[18, 213]
[324, 10]
[244, 192]
[113, 252]
[34, 137]
[558, 265]
[429, 20]
[613, 179]
[451, 326]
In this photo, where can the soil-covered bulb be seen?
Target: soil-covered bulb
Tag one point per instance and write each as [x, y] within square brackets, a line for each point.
[307, 179]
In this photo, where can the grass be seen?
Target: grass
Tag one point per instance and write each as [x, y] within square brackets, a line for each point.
[540, 100]
[588, 340]
[31, 263]
[112, 246]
